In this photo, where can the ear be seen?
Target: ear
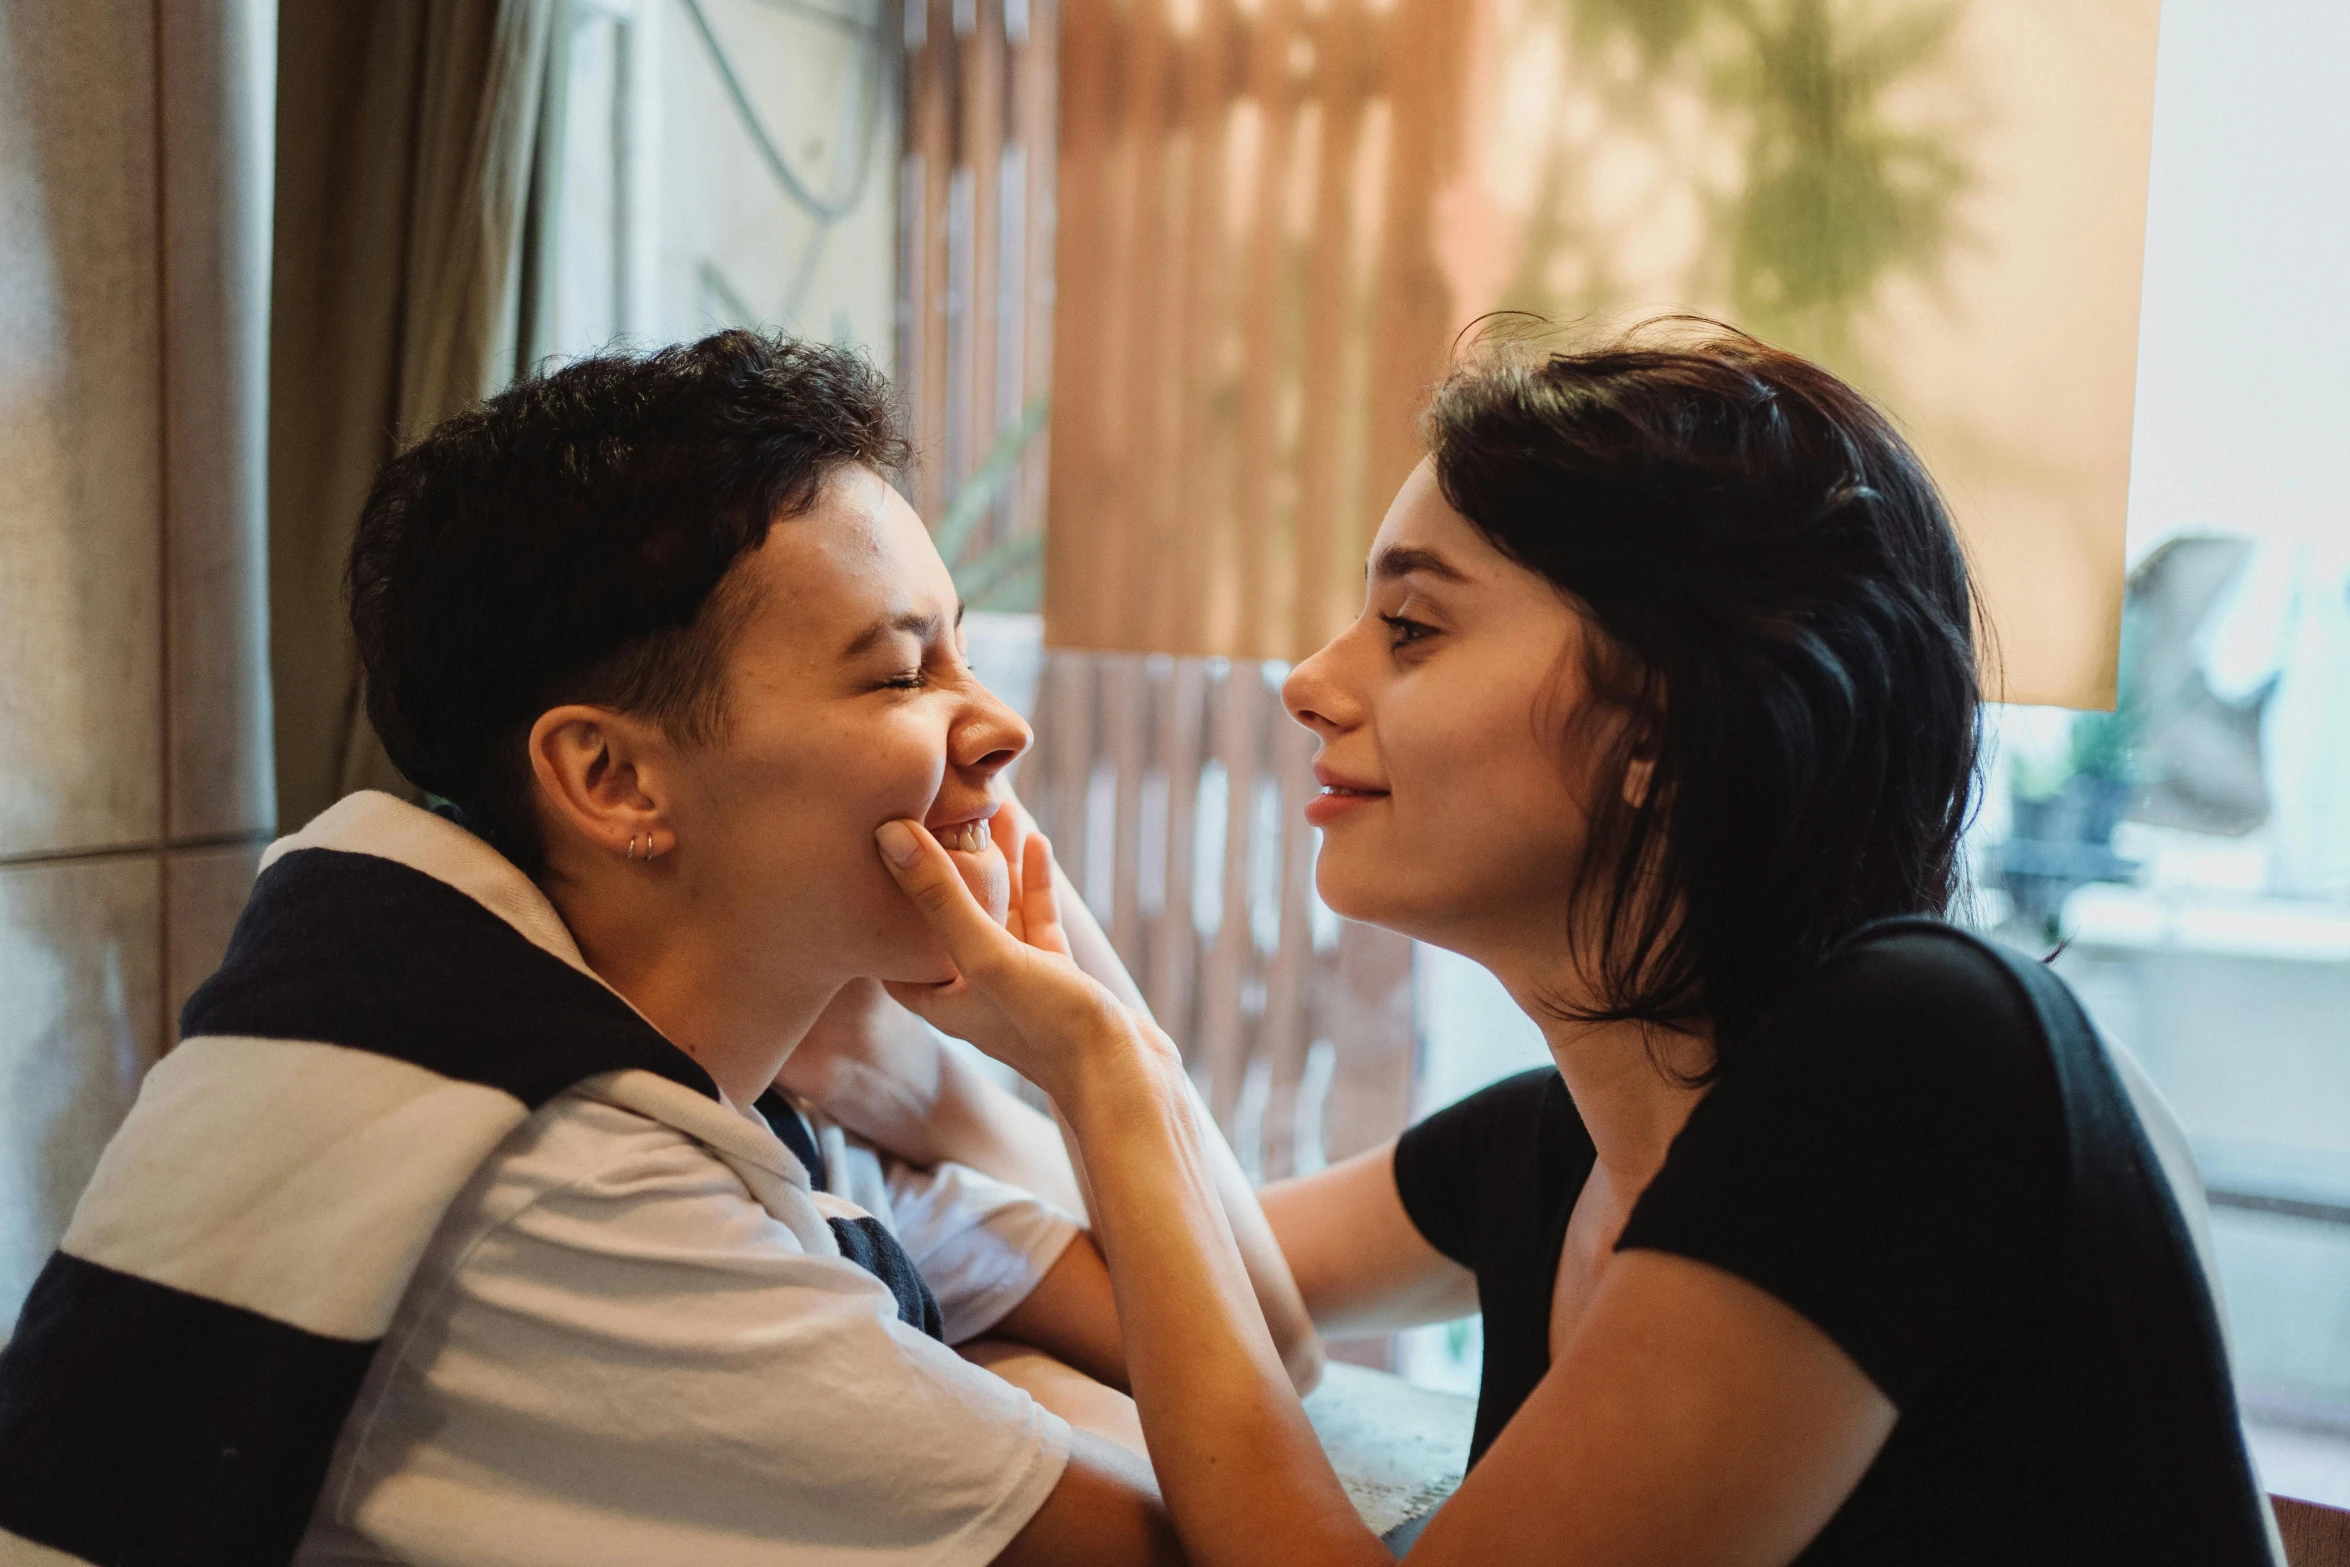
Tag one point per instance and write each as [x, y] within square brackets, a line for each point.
[603, 778]
[1637, 775]
[1640, 771]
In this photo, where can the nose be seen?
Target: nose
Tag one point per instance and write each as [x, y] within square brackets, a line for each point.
[989, 736]
[1315, 696]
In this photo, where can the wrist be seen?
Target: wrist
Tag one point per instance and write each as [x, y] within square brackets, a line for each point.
[1128, 1071]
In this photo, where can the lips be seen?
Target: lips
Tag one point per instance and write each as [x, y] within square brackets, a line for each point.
[1334, 782]
[1341, 796]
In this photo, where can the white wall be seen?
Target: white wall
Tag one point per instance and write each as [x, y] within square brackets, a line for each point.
[2243, 415]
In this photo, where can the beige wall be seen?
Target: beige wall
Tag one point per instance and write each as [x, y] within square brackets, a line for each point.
[1946, 205]
[1275, 221]
[134, 786]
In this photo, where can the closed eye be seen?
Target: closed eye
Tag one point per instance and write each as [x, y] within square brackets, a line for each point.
[1404, 630]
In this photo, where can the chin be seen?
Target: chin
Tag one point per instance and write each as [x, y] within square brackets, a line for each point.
[1371, 894]
[936, 974]
[1367, 900]
[912, 955]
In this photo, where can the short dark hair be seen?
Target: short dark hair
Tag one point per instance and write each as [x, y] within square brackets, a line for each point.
[566, 541]
[1785, 628]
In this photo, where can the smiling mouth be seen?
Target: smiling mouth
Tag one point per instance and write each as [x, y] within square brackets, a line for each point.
[969, 837]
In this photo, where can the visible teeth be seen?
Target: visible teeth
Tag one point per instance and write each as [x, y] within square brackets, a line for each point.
[969, 838]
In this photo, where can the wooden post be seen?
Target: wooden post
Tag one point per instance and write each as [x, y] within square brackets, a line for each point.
[1285, 1033]
[1174, 962]
[1222, 1032]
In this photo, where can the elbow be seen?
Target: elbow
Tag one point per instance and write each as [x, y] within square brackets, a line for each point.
[1301, 1354]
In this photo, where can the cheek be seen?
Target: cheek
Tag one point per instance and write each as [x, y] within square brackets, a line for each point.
[791, 815]
[1481, 817]
[829, 779]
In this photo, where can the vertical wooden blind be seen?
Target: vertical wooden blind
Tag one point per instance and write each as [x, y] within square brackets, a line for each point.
[1172, 786]
[1276, 215]
[975, 245]
[1250, 308]
[1174, 790]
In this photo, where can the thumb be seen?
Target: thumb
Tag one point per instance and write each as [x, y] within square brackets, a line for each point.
[928, 876]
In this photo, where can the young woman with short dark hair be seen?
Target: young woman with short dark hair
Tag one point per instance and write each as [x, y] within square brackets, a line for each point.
[1833, 1235]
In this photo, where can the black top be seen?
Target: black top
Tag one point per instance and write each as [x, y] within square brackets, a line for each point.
[1925, 1151]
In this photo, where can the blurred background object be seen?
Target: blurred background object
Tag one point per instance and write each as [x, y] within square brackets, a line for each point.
[1163, 283]
[136, 785]
[1278, 218]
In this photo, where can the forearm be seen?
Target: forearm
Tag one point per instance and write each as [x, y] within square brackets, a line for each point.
[1361, 1264]
[1083, 1400]
[892, 1079]
[1269, 1273]
[1243, 1474]
[977, 1122]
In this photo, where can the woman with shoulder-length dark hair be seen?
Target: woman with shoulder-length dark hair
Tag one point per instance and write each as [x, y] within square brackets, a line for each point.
[1834, 1234]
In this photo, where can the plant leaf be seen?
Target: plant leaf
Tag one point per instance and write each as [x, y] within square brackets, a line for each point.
[971, 503]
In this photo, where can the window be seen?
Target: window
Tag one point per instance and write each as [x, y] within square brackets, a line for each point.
[2193, 848]
[726, 163]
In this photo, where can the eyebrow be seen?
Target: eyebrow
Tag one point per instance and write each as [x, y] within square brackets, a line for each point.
[1403, 560]
[912, 623]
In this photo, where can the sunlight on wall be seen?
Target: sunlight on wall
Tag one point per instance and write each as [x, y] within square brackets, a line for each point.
[1274, 226]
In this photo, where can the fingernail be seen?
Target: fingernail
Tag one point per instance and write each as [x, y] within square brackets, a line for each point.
[897, 842]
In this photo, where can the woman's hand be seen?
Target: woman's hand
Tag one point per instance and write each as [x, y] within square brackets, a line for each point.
[1010, 830]
[874, 1067]
[1208, 1377]
[1020, 998]
[886, 1076]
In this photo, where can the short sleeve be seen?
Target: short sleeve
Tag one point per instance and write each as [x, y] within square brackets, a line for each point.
[1885, 1156]
[981, 1244]
[1460, 1167]
[630, 1361]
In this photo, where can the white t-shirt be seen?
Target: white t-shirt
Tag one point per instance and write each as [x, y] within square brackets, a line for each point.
[610, 1353]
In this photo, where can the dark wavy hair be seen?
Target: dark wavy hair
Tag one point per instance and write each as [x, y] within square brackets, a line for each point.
[567, 541]
[1786, 634]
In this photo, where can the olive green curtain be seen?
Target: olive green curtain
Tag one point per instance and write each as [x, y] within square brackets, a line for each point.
[413, 140]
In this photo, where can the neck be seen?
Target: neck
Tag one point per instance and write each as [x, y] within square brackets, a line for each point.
[738, 1013]
[1624, 1079]
[1627, 1078]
